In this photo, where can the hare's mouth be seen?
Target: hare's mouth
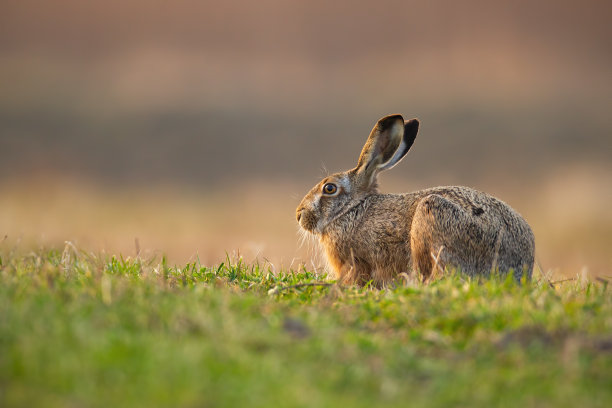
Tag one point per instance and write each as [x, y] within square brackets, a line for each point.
[314, 224]
[307, 221]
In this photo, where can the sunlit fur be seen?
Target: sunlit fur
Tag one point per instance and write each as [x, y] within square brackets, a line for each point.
[367, 236]
[313, 246]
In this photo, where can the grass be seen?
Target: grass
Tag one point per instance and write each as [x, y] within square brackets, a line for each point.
[93, 331]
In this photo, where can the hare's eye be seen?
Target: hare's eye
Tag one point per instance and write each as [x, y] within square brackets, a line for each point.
[330, 188]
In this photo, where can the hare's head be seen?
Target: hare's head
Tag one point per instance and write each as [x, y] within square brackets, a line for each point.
[331, 198]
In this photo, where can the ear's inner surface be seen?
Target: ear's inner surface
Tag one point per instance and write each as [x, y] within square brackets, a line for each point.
[382, 144]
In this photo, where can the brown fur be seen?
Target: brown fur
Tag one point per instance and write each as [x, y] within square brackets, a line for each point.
[369, 236]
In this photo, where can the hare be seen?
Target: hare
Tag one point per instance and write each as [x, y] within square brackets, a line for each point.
[369, 236]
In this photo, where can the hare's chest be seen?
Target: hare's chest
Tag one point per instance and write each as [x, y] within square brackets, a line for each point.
[375, 244]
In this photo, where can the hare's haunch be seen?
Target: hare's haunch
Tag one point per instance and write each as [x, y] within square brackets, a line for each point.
[371, 236]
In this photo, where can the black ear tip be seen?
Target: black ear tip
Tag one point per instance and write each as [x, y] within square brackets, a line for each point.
[411, 126]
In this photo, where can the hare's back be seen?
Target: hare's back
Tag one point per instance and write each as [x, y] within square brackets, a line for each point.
[474, 202]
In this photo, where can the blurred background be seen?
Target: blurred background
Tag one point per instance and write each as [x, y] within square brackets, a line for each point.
[194, 128]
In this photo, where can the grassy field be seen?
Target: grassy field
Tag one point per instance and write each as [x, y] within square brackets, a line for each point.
[81, 330]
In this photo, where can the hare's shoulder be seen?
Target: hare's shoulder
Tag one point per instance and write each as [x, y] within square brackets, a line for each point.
[464, 197]
[467, 199]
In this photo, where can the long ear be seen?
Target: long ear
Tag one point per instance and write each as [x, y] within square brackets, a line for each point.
[387, 144]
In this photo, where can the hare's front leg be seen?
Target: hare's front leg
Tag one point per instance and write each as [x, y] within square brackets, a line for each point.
[446, 234]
